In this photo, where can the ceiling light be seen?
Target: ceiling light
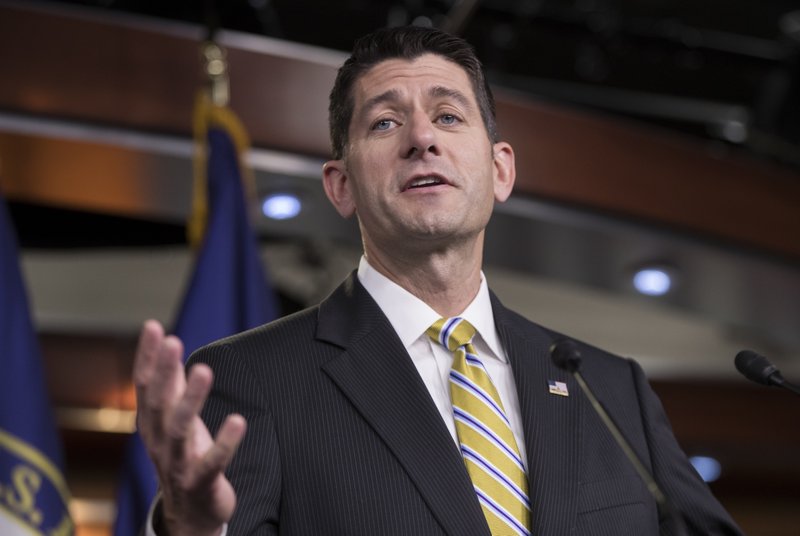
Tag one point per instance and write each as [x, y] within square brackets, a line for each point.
[281, 206]
[652, 281]
[708, 468]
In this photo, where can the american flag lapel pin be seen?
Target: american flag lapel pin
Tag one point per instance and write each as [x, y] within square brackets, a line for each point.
[557, 388]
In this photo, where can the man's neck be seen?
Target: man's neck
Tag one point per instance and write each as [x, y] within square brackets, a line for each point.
[447, 281]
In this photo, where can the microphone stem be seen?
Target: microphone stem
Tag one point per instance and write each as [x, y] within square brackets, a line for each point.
[661, 500]
[788, 385]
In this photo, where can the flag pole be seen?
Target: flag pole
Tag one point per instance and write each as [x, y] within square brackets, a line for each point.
[228, 290]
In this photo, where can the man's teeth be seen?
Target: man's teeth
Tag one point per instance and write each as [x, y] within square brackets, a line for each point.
[425, 181]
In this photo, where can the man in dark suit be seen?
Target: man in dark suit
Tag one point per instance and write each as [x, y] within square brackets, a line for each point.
[356, 416]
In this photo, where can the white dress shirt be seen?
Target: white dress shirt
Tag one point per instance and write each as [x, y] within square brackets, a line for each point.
[411, 317]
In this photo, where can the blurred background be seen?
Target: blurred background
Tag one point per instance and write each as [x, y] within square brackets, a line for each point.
[656, 213]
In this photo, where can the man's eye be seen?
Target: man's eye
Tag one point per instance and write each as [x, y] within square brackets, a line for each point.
[383, 124]
[448, 119]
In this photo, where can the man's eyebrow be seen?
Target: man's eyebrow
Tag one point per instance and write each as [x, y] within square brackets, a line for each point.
[447, 92]
[435, 92]
[386, 96]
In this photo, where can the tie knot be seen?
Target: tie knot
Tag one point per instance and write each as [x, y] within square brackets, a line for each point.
[452, 333]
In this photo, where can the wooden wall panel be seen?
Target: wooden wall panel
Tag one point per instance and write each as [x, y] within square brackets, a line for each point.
[141, 74]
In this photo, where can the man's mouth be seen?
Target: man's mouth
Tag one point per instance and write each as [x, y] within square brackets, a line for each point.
[425, 182]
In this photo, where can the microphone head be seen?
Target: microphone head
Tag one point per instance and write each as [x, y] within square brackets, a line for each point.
[757, 368]
[566, 356]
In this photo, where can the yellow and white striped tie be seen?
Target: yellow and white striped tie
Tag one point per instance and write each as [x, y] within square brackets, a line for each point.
[487, 444]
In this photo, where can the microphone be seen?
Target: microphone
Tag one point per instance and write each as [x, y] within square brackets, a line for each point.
[757, 368]
[566, 356]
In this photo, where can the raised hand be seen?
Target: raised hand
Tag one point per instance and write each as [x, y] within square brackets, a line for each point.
[197, 498]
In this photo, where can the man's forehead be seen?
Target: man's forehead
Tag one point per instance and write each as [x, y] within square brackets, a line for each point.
[430, 72]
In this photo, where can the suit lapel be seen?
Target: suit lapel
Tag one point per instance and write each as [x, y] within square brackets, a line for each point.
[376, 374]
[551, 423]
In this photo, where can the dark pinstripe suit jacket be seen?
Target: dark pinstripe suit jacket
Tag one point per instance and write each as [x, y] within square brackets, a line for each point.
[344, 438]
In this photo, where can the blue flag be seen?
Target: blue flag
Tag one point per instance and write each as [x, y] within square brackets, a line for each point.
[34, 497]
[228, 291]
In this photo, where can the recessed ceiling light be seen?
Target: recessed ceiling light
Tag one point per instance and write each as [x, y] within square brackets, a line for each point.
[653, 281]
[281, 206]
[708, 468]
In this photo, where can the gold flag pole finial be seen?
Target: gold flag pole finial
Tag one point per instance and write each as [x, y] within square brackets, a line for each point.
[211, 102]
[216, 67]
[211, 109]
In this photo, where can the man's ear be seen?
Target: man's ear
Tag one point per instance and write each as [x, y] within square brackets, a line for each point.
[505, 170]
[337, 187]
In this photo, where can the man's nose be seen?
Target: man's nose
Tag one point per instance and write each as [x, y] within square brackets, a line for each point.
[421, 137]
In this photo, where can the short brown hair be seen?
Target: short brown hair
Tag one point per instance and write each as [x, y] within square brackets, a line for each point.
[405, 42]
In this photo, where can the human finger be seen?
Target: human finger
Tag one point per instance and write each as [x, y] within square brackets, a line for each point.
[165, 388]
[219, 456]
[187, 410]
[150, 337]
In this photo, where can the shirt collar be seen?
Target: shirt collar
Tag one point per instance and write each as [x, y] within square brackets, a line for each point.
[410, 316]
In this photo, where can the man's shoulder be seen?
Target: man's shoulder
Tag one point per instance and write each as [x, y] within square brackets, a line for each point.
[593, 356]
[297, 331]
[298, 325]
[615, 379]
[271, 352]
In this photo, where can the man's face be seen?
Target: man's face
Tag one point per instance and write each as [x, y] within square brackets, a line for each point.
[419, 169]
